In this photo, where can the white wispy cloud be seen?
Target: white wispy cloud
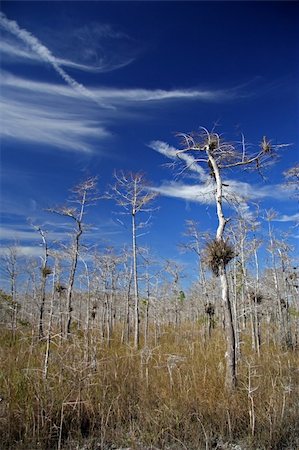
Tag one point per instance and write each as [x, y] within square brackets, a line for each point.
[45, 126]
[32, 113]
[200, 193]
[236, 190]
[196, 193]
[48, 114]
[146, 95]
[172, 153]
[24, 251]
[20, 234]
[44, 53]
[95, 47]
[18, 84]
[14, 52]
[13, 207]
[253, 191]
[288, 218]
[113, 96]
[236, 194]
[17, 53]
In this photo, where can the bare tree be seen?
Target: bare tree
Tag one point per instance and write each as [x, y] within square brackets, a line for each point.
[178, 296]
[131, 193]
[217, 155]
[45, 272]
[292, 184]
[151, 275]
[292, 179]
[9, 266]
[195, 244]
[108, 270]
[51, 313]
[257, 299]
[84, 194]
[283, 250]
[127, 276]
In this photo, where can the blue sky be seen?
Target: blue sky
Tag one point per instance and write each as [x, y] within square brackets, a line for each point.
[86, 87]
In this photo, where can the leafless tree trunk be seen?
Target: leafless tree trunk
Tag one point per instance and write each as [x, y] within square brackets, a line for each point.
[282, 250]
[45, 272]
[127, 325]
[84, 195]
[270, 215]
[231, 375]
[47, 353]
[130, 192]
[9, 265]
[135, 281]
[87, 317]
[147, 308]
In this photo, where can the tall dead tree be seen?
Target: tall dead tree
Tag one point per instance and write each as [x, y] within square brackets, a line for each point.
[131, 193]
[209, 149]
[9, 266]
[283, 250]
[109, 274]
[177, 295]
[256, 299]
[292, 180]
[272, 249]
[127, 277]
[84, 194]
[194, 244]
[50, 320]
[45, 272]
[196, 240]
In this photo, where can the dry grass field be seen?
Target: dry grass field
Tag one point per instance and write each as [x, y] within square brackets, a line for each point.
[168, 395]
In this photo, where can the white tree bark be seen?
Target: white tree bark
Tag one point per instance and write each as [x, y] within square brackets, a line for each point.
[231, 373]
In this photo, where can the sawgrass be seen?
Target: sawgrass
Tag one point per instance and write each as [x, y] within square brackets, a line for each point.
[170, 395]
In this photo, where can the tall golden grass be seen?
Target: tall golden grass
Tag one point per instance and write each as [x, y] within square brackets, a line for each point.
[169, 395]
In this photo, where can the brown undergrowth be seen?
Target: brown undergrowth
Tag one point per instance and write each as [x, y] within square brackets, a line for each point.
[169, 395]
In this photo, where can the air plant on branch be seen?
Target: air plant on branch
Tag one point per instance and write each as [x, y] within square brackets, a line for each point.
[46, 271]
[256, 297]
[218, 253]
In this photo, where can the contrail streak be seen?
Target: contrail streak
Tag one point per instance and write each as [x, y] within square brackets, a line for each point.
[45, 54]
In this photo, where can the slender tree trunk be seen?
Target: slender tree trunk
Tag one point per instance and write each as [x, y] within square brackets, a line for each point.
[281, 326]
[47, 354]
[243, 281]
[111, 302]
[44, 274]
[69, 296]
[257, 328]
[126, 319]
[42, 306]
[128, 309]
[15, 307]
[132, 194]
[286, 312]
[135, 278]
[238, 317]
[107, 318]
[87, 318]
[146, 321]
[231, 376]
